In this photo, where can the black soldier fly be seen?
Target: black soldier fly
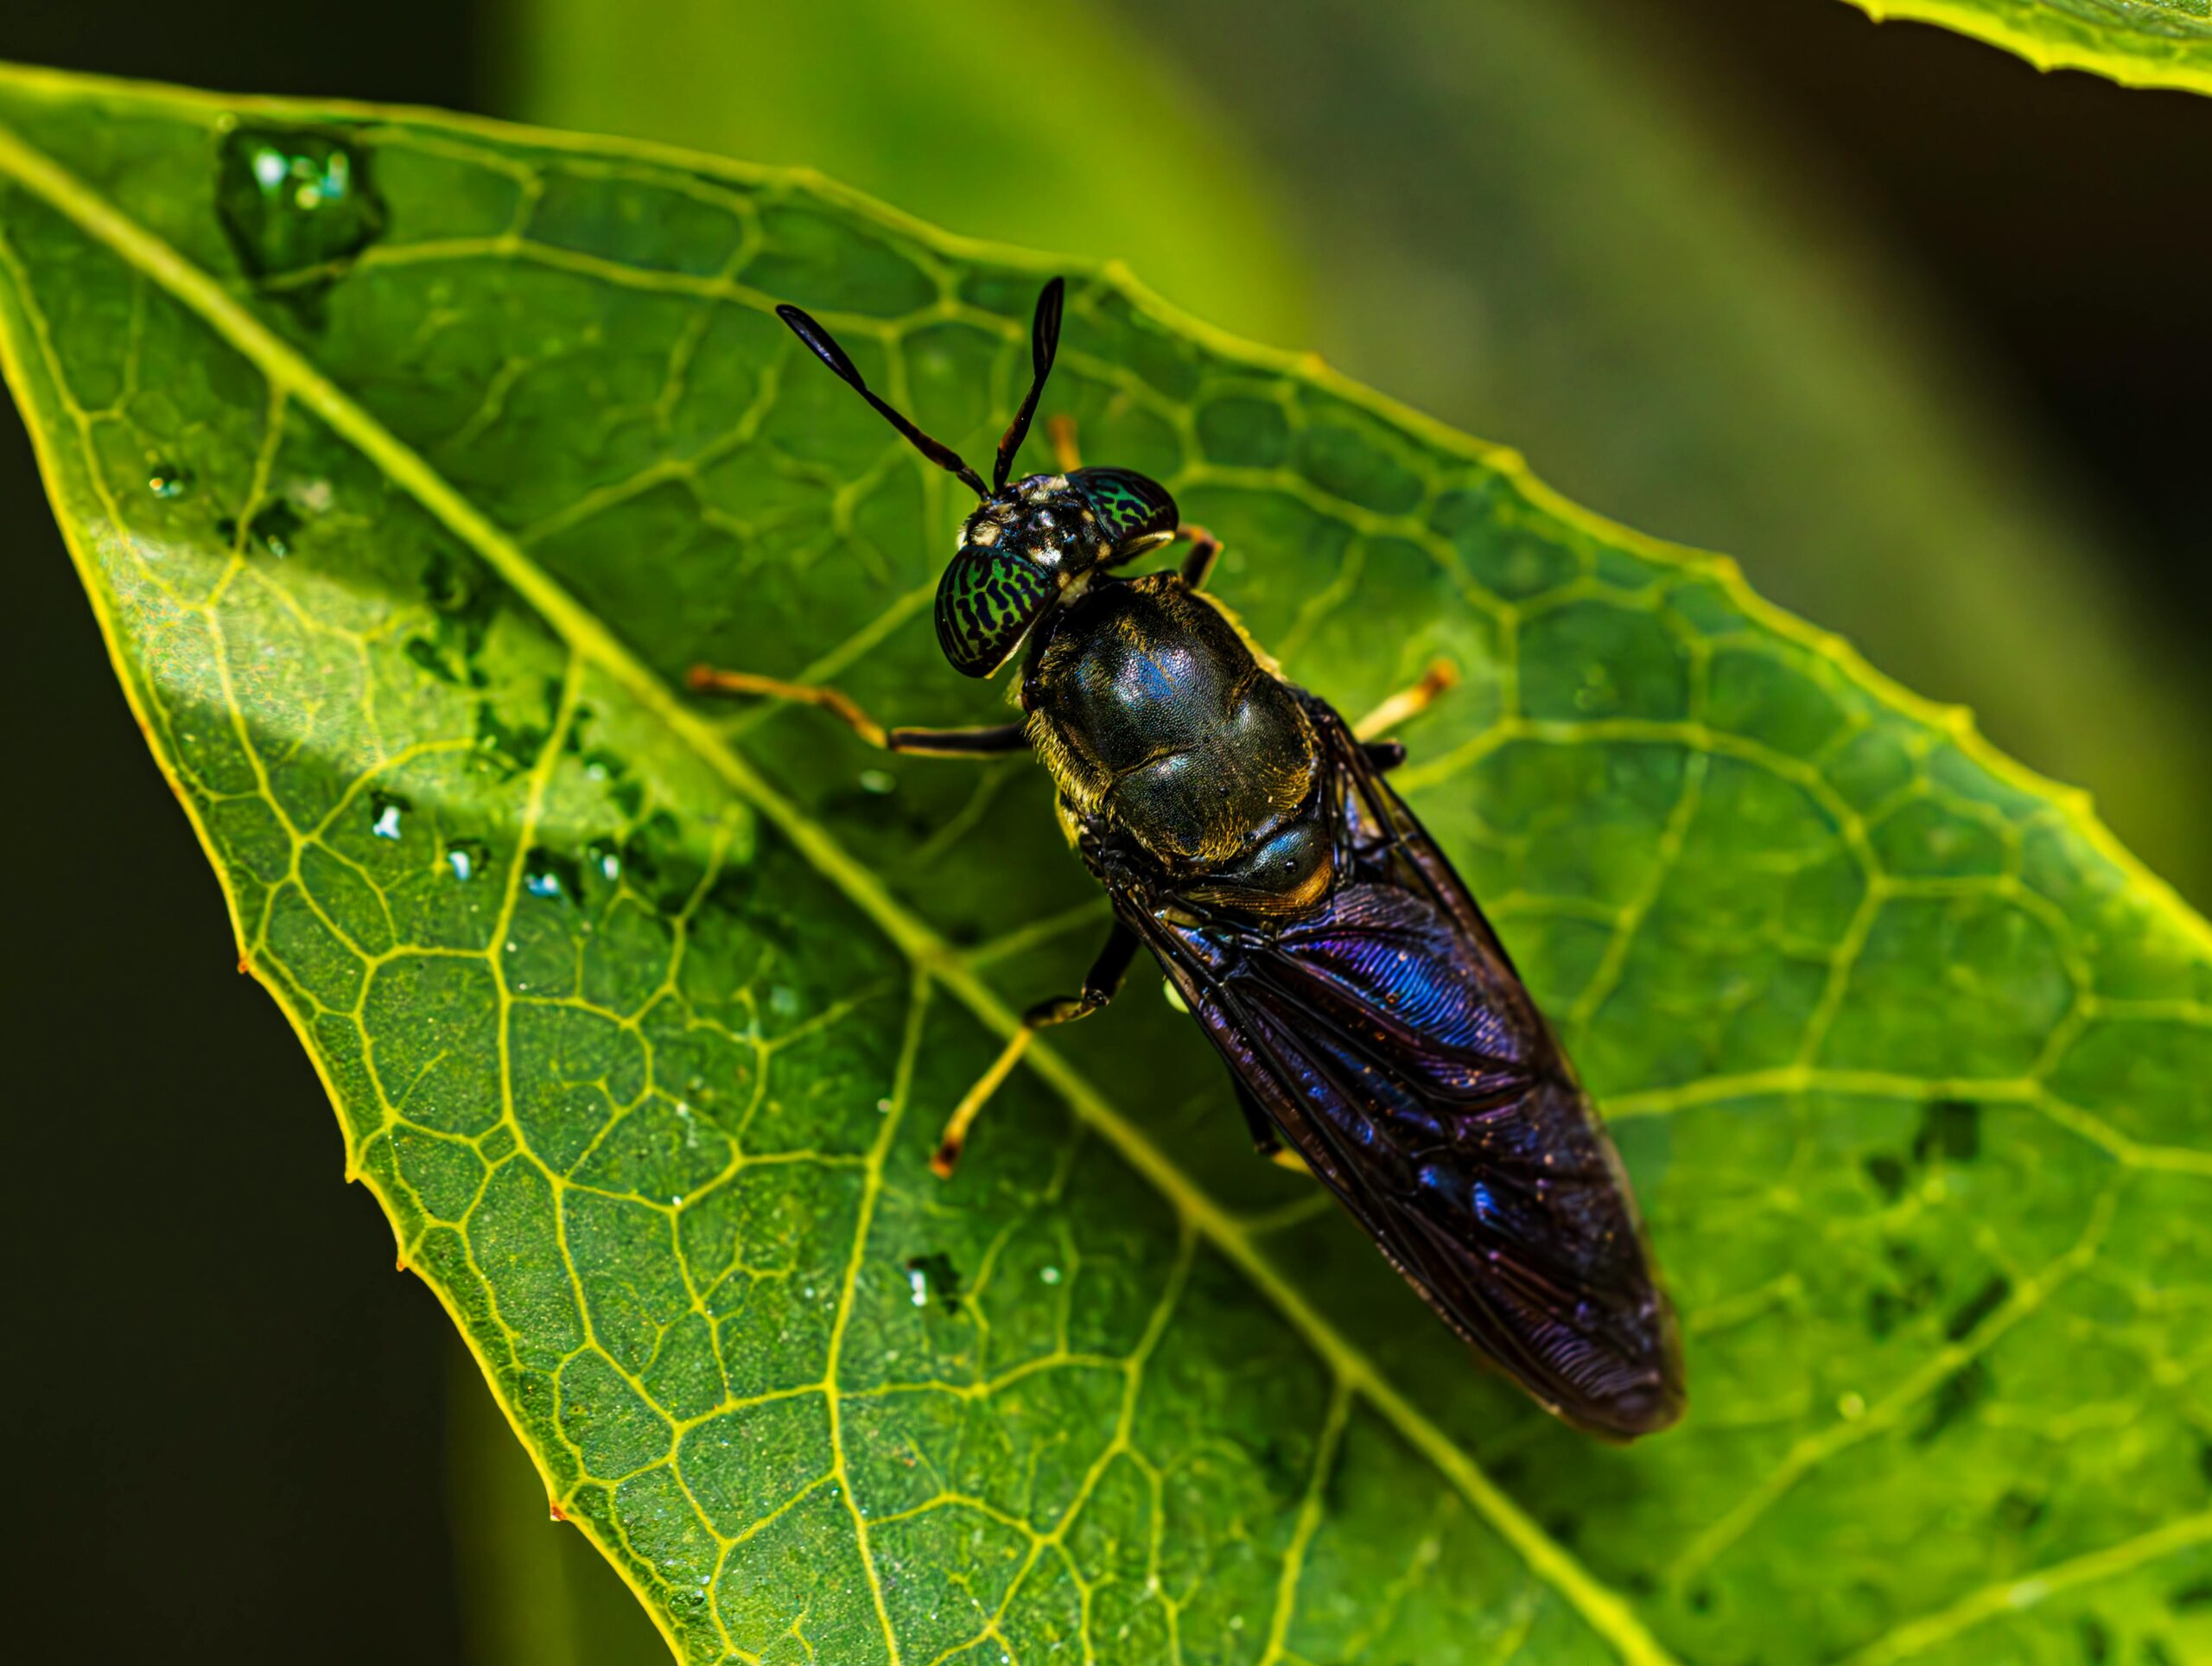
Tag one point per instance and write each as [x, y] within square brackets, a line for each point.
[1246, 835]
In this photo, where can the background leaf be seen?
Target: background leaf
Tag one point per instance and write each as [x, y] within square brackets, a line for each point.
[2136, 43]
[1527, 221]
[639, 1017]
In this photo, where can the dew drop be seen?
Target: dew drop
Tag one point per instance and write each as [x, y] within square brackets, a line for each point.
[878, 781]
[1049, 1274]
[605, 856]
[384, 810]
[168, 481]
[1852, 1407]
[549, 875]
[293, 200]
[275, 528]
[934, 1276]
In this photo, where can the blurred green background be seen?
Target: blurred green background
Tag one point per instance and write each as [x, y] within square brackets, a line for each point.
[1915, 333]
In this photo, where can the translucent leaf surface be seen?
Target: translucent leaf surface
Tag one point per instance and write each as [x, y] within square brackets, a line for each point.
[2136, 43]
[641, 1017]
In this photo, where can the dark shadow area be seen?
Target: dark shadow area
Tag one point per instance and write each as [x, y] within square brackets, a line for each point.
[2056, 218]
[227, 1407]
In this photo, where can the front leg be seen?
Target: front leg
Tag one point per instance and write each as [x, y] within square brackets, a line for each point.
[1099, 985]
[983, 741]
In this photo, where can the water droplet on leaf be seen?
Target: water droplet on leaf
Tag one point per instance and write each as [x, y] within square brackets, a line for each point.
[384, 810]
[934, 1274]
[878, 780]
[275, 528]
[168, 481]
[294, 201]
[548, 874]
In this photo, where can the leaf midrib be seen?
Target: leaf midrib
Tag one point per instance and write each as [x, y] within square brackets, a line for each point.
[1604, 1609]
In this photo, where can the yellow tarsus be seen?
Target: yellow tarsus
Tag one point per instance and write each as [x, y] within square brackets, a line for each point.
[1441, 675]
[965, 1114]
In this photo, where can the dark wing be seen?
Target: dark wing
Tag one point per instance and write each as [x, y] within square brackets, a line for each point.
[1387, 1036]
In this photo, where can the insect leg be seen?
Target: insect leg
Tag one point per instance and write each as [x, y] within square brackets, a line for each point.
[1407, 702]
[1385, 755]
[1099, 985]
[1060, 431]
[935, 743]
[1265, 1140]
[1198, 564]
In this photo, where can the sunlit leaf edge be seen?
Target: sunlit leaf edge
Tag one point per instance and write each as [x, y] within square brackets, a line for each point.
[2032, 30]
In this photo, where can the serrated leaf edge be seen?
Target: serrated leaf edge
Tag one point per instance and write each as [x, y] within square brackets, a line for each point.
[2144, 70]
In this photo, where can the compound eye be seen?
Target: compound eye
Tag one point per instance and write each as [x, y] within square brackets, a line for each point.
[986, 603]
[1138, 514]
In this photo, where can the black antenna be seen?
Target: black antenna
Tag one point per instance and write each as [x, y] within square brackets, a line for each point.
[824, 347]
[1044, 342]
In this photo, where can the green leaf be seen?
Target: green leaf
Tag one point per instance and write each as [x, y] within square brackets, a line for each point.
[924, 106]
[2135, 42]
[640, 1016]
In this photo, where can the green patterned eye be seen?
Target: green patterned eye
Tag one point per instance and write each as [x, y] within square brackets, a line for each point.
[1137, 514]
[985, 603]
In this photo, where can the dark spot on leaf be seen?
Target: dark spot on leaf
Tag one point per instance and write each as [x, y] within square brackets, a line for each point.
[2195, 1595]
[656, 862]
[1915, 1289]
[1951, 1130]
[424, 652]
[2096, 1643]
[2017, 1511]
[513, 746]
[1983, 1302]
[275, 528]
[2155, 1653]
[466, 597]
[1961, 1392]
[1887, 1174]
[935, 1278]
[1701, 1599]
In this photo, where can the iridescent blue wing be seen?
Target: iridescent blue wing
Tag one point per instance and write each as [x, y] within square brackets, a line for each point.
[1387, 1037]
